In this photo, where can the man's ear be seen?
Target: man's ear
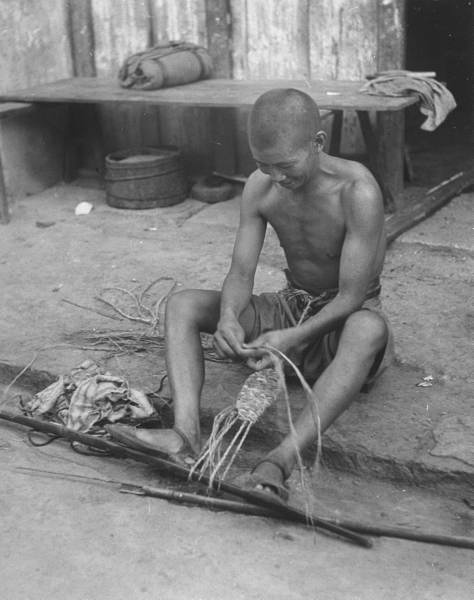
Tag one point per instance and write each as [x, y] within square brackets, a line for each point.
[320, 140]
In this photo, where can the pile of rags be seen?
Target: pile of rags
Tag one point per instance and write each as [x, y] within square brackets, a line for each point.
[87, 398]
[436, 101]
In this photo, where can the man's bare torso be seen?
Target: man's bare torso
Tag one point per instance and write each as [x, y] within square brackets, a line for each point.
[311, 222]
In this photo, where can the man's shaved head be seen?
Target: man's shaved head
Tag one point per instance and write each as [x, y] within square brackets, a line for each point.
[283, 115]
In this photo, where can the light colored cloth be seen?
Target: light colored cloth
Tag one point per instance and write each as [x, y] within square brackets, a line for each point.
[88, 397]
[436, 101]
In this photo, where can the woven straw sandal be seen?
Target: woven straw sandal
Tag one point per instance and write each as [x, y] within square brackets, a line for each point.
[279, 489]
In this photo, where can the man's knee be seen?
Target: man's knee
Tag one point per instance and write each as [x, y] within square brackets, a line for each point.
[367, 329]
[197, 306]
[180, 303]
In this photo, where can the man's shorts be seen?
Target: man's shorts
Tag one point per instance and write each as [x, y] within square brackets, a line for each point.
[274, 311]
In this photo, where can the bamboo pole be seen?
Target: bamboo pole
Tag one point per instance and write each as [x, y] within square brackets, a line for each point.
[213, 503]
[241, 507]
[198, 500]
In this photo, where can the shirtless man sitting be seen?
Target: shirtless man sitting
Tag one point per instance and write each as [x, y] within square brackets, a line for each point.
[328, 215]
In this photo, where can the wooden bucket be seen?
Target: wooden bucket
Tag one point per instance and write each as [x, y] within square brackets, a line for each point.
[145, 178]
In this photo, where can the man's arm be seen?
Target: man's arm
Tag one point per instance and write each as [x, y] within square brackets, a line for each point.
[238, 284]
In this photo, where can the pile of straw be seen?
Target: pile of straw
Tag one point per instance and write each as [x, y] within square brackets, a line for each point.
[122, 342]
[143, 306]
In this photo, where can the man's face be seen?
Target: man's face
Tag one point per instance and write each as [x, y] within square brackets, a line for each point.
[287, 166]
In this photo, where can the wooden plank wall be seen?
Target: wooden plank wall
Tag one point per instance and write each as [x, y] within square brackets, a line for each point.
[187, 128]
[34, 43]
[329, 39]
[391, 54]
[271, 41]
[120, 29]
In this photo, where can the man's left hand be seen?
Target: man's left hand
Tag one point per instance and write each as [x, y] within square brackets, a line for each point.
[258, 356]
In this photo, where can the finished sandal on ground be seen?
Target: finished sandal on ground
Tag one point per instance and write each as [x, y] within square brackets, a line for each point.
[127, 435]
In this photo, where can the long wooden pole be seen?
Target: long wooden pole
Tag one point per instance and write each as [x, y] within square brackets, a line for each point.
[183, 473]
[250, 509]
[269, 508]
[416, 212]
[241, 507]
[4, 208]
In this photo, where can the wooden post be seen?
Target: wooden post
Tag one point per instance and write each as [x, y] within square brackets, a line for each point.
[186, 127]
[81, 36]
[218, 37]
[390, 150]
[4, 208]
[223, 121]
[336, 133]
[84, 130]
[375, 163]
[391, 126]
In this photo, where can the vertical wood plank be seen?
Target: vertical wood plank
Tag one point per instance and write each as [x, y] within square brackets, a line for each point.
[278, 39]
[84, 149]
[391, 127]
[270, 41]
[358, 56]
[324, 39]
[179, 20]
[81, 34]
[240, 70]
[223, 119]
[245, 160]
[375, 165]
[343, 45]
[218, 37]
[4, 204]
[187, 128]
[34, 49]
[122, 28]
[391, 151]
[391, 35]
[238, 16]
[343, 38]
[34, 43]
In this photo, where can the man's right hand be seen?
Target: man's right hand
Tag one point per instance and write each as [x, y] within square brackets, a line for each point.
[229, 337]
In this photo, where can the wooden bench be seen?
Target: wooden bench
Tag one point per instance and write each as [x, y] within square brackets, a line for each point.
[386, 154]
[7, 110]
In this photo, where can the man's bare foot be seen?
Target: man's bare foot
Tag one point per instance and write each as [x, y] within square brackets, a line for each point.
[173, 443]
[164, 440]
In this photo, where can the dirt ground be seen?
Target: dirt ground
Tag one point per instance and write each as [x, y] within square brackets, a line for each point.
[64, 538]
[67, 539]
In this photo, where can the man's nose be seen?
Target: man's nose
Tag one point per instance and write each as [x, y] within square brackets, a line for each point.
[276, 175]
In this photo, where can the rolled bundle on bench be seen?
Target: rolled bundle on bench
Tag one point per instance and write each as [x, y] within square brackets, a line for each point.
[166, 64]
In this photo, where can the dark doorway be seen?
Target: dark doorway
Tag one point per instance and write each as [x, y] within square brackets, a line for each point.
[440, 38]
